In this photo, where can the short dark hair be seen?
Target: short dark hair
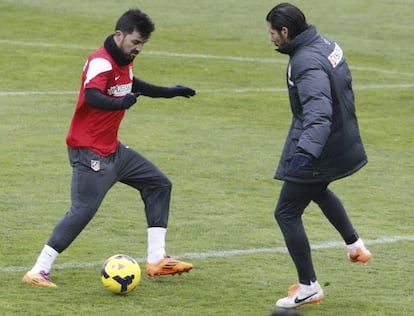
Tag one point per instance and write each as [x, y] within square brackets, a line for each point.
[286, 312]
[135, 20]
[289, 16]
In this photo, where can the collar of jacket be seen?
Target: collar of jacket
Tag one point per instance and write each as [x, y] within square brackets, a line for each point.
[302, 39]
[115, 52]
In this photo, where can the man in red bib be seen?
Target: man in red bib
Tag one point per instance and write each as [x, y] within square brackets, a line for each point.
[99, 160]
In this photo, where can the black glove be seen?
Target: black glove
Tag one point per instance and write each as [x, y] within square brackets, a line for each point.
[128, 100]
[298, 161]
[181, 91]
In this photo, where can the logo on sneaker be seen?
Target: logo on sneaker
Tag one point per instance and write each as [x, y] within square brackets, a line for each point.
[301, 300]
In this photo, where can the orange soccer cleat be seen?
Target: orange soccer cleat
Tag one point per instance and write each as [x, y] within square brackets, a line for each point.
[167, 265]
[361, 254]
[39, 279]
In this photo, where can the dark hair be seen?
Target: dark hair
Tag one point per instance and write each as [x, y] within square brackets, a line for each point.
[286, 312]
[289, 16]
[135, 20]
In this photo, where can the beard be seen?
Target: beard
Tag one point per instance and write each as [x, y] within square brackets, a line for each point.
[132, 54]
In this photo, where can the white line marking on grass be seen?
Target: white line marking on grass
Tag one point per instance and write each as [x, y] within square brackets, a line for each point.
[223, 253]
[230, 90]
[40, 44]
[217, 57]
[384, 86]
[197, 56]
[356, 87]
[34, 93]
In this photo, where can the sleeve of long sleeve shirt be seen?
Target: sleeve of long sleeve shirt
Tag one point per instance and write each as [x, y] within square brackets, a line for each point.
[96, 99]
[150, 90]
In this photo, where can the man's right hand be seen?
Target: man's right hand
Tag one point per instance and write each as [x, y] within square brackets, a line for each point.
[129, 100]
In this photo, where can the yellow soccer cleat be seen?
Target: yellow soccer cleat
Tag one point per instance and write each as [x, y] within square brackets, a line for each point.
[166, 266]
[39, 279]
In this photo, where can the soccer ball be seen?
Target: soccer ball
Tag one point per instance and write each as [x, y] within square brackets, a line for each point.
[120, 274]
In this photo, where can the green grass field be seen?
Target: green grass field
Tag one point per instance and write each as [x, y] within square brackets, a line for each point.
[220, 150]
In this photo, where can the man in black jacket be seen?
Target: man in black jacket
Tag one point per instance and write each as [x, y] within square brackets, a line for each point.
[323, 144]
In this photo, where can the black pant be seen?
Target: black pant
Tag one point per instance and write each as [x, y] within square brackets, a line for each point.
[294, 198]
[93, 176]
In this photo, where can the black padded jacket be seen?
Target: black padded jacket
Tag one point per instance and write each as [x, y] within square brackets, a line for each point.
[324, 123]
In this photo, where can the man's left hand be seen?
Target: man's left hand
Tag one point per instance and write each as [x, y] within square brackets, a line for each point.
[299, 161]
[182, 91]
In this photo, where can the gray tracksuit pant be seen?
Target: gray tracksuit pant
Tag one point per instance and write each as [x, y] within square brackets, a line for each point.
[94, 175]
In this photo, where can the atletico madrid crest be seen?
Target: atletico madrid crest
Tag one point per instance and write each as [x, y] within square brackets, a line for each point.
[95, 165]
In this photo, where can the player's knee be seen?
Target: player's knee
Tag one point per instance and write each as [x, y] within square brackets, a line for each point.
[277, 215]
[281, 216]
[165, 183]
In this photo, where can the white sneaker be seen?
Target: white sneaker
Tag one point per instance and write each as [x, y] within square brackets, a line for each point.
[299, 294]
